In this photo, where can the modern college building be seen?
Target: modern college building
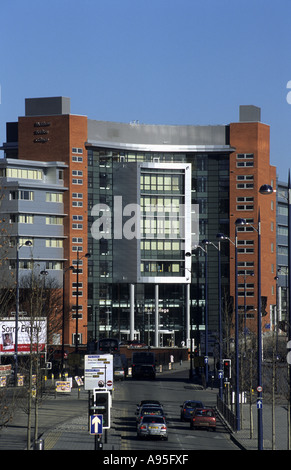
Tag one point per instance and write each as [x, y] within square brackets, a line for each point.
[137, 210]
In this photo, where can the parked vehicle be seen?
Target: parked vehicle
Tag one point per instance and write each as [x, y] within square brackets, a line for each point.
[152, 426]
[203, 418]
[188, 408]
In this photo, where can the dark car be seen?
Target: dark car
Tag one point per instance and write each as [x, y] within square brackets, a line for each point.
[144, 371]
[203, 418]
[149, 410]
[188, 408]
[147, 402]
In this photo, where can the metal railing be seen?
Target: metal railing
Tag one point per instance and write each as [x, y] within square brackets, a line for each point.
[227, 414]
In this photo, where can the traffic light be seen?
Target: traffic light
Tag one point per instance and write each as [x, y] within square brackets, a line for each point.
[226, 368]
[100, 405]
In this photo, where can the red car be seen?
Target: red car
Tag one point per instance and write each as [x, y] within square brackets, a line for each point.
[203, 418]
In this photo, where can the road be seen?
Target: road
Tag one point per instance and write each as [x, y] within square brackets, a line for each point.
[171, 390]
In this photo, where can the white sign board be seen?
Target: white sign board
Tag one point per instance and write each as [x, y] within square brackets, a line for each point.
[98, 372]
[30, 332]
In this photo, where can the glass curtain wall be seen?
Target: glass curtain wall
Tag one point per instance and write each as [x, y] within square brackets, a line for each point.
[109, 303]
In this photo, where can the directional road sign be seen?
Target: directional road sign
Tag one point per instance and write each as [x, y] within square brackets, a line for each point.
[98, 372]
[96, 424]
[259, 404]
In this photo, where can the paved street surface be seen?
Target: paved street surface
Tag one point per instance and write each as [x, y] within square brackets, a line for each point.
[63, 424]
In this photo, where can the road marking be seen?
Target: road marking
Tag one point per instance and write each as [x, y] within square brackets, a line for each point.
[51, 439]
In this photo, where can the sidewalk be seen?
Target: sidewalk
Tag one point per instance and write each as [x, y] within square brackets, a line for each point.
[247, 437]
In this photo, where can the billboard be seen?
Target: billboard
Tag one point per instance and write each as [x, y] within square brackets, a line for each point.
[30, 332]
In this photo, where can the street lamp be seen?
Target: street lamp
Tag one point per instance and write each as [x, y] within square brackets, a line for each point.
[18, 246]
[264, 190]
[205, 242]
[238, 222]
[218, 236]
[87, 255]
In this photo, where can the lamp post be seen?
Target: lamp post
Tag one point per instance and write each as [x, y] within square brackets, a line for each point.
[18, 246]
[205, 242]
[264, 190]
[87, 255]
[218, 247]
[237, 405]
[259, 336]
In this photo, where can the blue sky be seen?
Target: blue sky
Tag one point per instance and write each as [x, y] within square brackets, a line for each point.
[155, 61]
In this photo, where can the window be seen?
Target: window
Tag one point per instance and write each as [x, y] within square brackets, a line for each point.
[161, 182]
[78, 293]
[80, 311]
[77, 248]
[75, 225]
[282, 210]
[77, 150]
[76, 284]
[54, 243]
[25, 264]
[245, 203]
[245, 160]
[75, 263]
[58, 265]
[245, 181]
[167, 268]
[77, 240]
[20, 173]
[246, 228]
[77, 181]
[21, 195]
[25, 219]
[53, 220]
[282, 230]
[77, 173]
[54, 197]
